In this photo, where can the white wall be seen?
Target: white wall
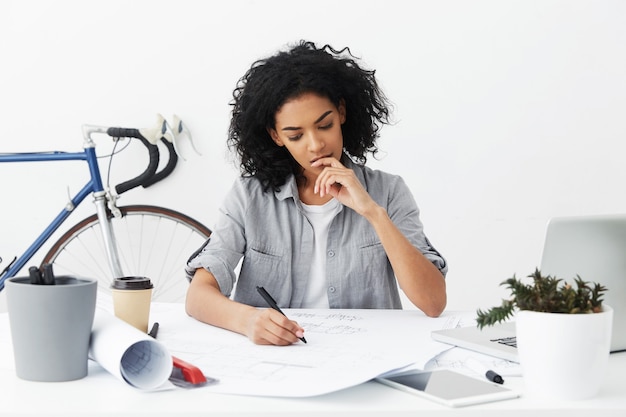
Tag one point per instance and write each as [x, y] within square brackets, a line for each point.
[508, 112]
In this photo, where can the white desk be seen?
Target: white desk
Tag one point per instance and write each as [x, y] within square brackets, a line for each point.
[100, 394]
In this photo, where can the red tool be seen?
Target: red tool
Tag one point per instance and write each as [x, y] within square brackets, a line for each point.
[184, 374]
[190, 373]
[187, 375]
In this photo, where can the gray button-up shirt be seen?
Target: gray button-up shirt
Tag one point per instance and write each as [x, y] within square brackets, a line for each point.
[272, 234]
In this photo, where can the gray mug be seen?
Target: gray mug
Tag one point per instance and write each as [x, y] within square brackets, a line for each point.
[51, 327]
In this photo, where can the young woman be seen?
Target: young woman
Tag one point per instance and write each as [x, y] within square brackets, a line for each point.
[315, 227]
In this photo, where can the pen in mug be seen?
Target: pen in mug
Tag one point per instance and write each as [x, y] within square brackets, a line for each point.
[35, 275]
[44, 276]
[272, 303]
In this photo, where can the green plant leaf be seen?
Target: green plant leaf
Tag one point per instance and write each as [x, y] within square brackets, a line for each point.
[545, 294]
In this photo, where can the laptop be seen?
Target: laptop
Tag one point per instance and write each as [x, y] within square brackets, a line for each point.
[593, 247]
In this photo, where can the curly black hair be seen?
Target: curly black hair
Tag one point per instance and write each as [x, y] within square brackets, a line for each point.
[270, 82]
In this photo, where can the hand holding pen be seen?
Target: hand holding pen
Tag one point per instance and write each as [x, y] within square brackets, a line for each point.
[272, 303]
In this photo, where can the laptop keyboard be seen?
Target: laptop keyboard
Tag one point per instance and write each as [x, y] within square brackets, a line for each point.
[509, 341]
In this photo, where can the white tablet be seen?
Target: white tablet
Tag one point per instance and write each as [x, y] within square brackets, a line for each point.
[448, 387]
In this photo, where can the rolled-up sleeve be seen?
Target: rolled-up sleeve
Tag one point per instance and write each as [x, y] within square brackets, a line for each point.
[221, 254]
[405, 214]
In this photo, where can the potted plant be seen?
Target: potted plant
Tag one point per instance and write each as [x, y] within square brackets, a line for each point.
[563, 333]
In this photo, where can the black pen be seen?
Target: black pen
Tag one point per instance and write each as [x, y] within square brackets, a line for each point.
[272, 303]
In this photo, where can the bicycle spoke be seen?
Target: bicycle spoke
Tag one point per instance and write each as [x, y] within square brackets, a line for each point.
[151, 241]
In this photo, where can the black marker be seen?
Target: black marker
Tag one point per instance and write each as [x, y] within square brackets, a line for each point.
[494, 377]
[47, 277]
[479, 368]
[35, 275]
[269, 300]
[43, 276]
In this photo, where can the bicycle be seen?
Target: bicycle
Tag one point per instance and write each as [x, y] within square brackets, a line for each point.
[134, 240]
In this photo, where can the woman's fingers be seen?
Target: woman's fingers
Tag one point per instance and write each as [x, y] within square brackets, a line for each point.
[269, 327]
[324, 181]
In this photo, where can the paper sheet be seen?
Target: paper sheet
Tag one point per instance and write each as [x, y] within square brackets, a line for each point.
[129, 354]
[345, 348]
[458, 359]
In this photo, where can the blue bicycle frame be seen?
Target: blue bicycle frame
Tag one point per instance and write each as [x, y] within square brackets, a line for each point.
[93, 186]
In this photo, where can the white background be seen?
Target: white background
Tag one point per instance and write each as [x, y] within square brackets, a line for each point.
[507, 112]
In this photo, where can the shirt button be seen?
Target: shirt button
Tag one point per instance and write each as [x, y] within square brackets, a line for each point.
[331, 289]
[331, 253]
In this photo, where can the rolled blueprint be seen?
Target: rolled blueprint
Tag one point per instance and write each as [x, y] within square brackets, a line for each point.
[129, 354]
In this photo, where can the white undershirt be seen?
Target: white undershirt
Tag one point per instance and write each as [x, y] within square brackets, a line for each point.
[320, 218]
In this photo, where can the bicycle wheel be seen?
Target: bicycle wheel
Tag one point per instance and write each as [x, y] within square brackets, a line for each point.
[153, 242]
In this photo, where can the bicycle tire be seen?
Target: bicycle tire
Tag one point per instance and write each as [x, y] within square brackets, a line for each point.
[152, 241]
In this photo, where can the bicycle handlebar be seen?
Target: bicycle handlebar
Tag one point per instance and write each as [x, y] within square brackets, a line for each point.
[167, 170]
[150, 175]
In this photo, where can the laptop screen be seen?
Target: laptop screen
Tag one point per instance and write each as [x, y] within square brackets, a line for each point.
[594, 248]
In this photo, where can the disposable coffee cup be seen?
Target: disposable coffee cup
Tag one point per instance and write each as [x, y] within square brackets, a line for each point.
[131, 300]
[51, 326]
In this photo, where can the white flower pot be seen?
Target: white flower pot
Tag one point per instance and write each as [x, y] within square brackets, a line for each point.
[564, 356]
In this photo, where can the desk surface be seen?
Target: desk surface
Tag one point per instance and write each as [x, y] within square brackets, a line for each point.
[101, 394]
